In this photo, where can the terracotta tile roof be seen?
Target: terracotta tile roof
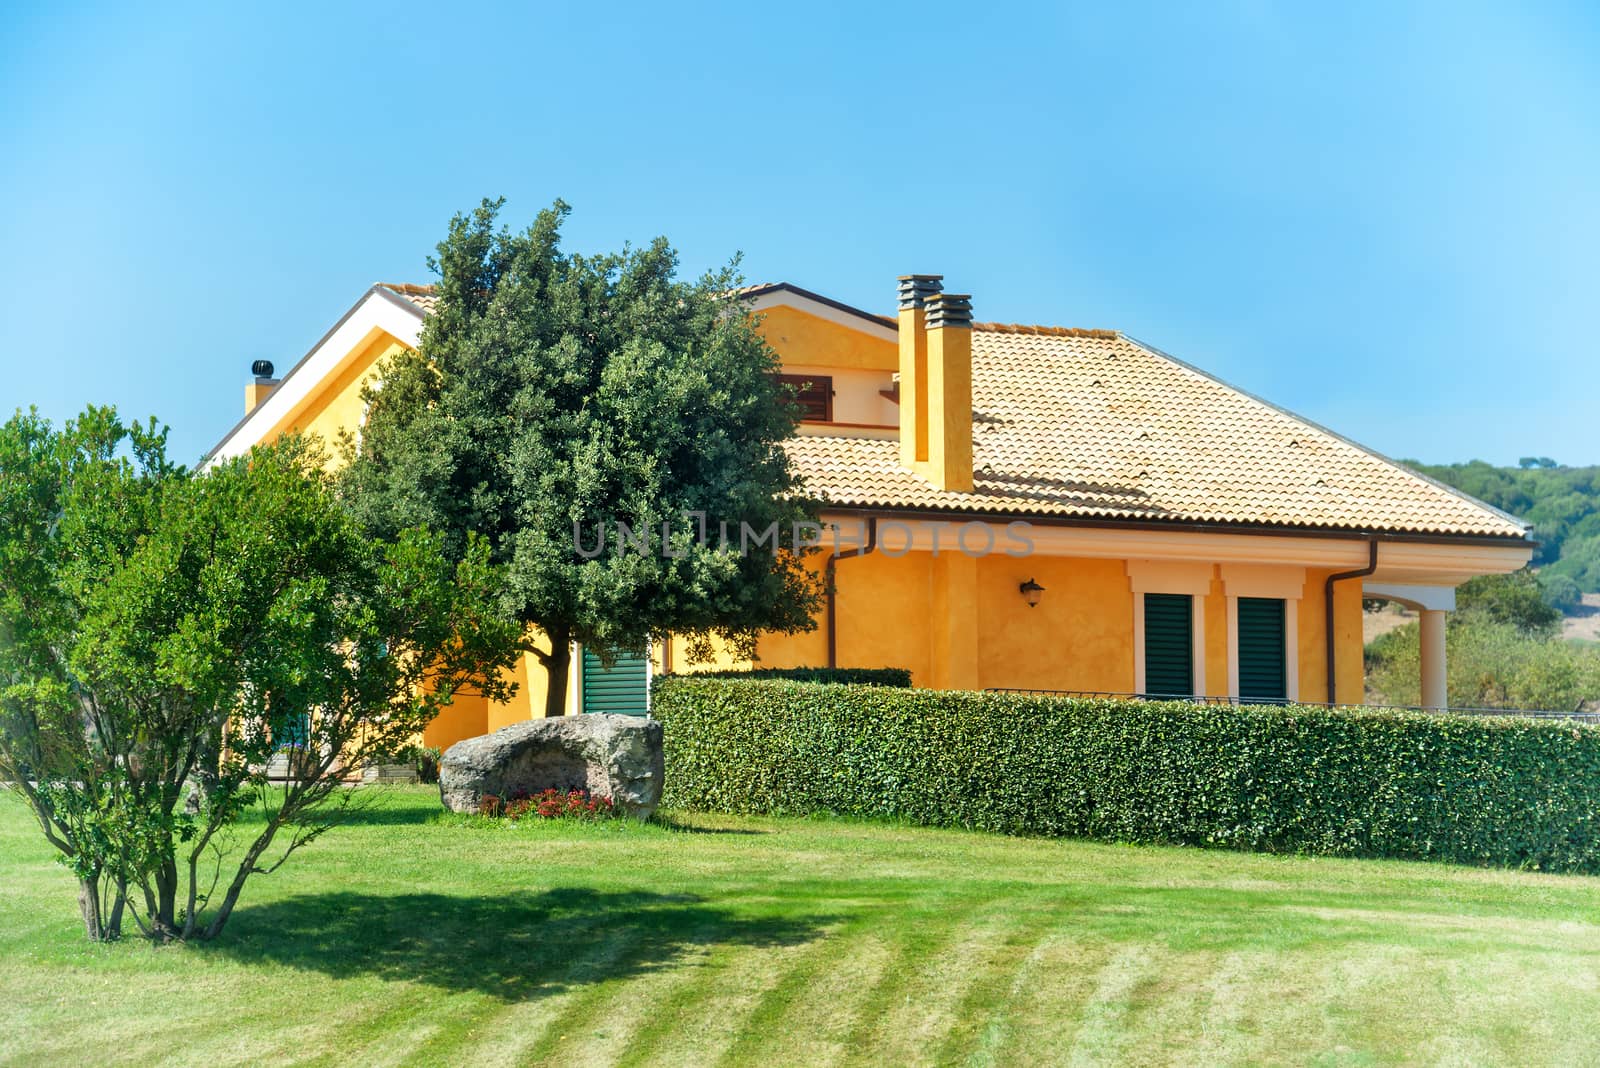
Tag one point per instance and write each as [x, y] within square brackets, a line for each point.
[1092, 424]
[422, 296]
[1089, 423]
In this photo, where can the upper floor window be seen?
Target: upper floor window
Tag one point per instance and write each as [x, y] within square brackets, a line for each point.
[814, 394]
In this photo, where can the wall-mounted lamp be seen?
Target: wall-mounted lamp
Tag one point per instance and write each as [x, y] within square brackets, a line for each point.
[1031, 592]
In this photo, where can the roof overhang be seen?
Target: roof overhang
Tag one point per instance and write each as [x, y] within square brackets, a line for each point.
[379, 309]
[783, 294]
[1430, 560]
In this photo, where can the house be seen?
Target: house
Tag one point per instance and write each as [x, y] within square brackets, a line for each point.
[1028, 507]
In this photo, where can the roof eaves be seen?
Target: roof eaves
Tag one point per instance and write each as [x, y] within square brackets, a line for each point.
[1207, 526]
[752, 292]
[380, 290]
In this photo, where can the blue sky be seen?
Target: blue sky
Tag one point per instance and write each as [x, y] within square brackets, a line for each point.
[1381, 216]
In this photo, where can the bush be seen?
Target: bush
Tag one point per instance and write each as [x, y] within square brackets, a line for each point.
[423, 759]
[1518, 598]
[848, 676]
[1561, 591]
[1504, 791]
[1488, 665]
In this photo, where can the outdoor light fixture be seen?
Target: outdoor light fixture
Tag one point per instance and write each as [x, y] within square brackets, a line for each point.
[1031, 591]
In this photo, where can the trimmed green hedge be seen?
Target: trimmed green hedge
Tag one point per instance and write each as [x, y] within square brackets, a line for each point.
[1475, 790]
[853, 676]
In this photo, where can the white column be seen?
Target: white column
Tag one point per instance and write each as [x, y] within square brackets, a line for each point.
[1433, 662]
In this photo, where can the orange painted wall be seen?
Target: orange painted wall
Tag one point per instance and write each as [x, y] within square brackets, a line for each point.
[1216, 610]
[903, 612]
[1350, 668]
[801, 338]
[1079, 637]
[337, 404]
[464, 717]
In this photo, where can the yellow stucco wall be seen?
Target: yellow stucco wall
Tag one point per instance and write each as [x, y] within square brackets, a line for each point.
[466, 716]
[1079, 637]
[919, 613]
[801, 338]
[336, 404]
[1349, 667]
[1216, 610]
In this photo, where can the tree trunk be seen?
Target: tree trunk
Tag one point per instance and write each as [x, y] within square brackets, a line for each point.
[556, 665]
[96, 926]
[246, 867]
[166, 918]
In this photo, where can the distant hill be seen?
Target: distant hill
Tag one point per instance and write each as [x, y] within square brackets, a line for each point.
[1562, 503]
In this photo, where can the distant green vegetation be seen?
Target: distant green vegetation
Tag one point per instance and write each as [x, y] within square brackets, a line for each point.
[1505, 652]
[1562, 503]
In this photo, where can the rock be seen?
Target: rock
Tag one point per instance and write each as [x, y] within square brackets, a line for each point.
[610, 756]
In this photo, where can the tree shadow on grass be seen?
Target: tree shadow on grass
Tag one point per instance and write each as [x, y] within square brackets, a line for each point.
[676, 823]
[514, 948]
[375, 813]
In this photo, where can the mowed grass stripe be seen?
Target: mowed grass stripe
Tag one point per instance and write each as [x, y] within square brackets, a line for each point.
[928, 983]
[987, 1016]
[697, 1023]
[568, 972]
[614, 972]
[810, 1014]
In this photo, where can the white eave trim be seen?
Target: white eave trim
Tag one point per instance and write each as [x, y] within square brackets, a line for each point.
[380, 309]
[1407, 562]
[784, 297]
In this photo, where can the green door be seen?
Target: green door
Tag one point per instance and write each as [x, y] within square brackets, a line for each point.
[1168, 644]
[1263, 671]
[621, 689]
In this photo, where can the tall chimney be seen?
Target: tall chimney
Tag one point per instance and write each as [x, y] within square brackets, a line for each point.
[256, 392]
[949, 388]
[915, 291]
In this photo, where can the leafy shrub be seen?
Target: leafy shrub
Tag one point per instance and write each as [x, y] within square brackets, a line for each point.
[427, 761]
[547, 805]
[424, 759]
[1488, 665]
[852, 676]
[1518, 598]
[1478, 790]
[1561, 591]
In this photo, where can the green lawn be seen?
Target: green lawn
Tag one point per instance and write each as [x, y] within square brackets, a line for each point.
[411, 937]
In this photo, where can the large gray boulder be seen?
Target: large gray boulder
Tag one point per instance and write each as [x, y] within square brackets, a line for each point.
[610, 756]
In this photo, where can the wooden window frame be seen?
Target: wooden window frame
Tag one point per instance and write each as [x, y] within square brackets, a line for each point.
[818, 383]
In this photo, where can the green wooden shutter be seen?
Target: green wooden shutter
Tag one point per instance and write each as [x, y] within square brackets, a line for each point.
[619, 689]
[1263, 671]
[1168, 644]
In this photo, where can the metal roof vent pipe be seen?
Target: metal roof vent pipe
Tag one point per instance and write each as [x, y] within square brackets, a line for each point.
[256, 392]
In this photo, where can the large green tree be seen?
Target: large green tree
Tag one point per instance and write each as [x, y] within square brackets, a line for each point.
[166, 637]
[554, 396]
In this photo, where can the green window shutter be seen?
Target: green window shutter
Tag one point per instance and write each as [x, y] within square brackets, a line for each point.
[1263, 672]
[1168, 644]
[620, 689]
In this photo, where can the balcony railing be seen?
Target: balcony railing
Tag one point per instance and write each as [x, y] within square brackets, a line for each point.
[1579, 714]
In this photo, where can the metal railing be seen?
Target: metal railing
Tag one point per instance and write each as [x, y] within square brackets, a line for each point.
[1578, 714]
